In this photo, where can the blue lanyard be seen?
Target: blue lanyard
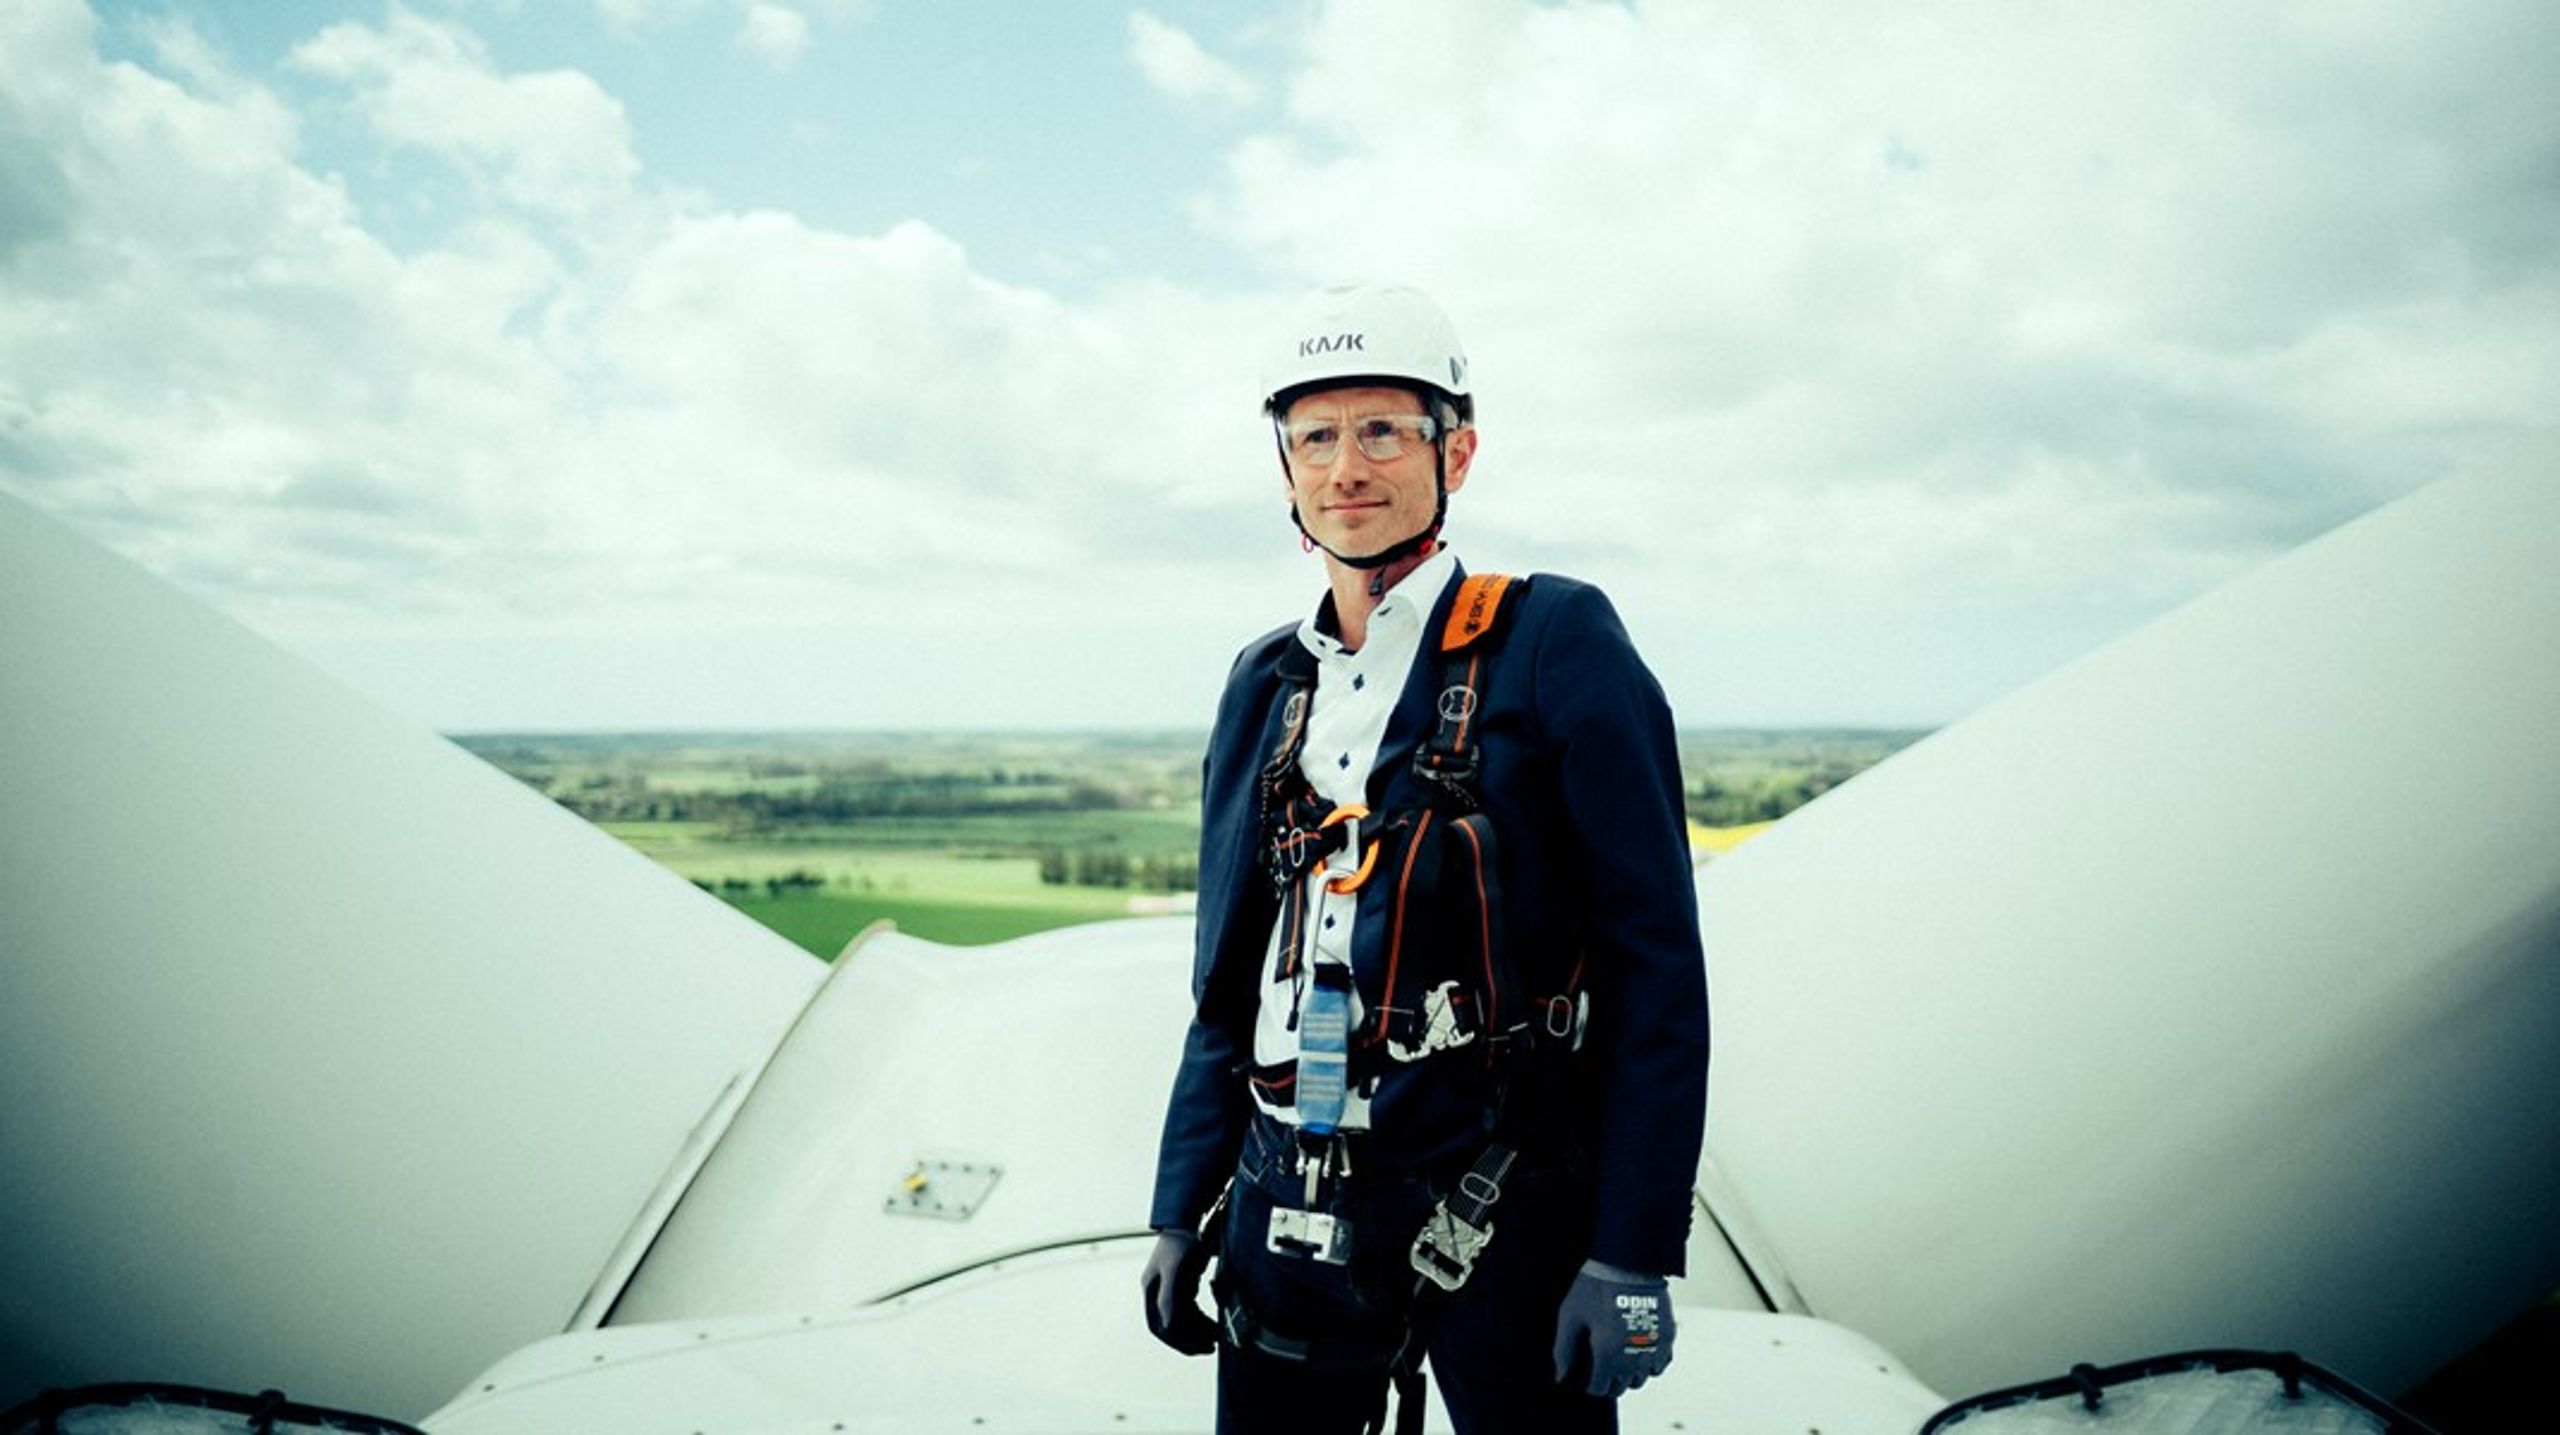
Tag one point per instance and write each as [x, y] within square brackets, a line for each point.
[1324, 1009]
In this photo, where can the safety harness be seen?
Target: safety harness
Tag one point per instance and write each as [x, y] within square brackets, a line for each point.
[1440, 862]
[1440, 991]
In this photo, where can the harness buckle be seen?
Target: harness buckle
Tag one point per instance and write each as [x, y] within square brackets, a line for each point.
[1445, 1250]
[1293, 849]
[1453, 773]
[1315, 1235]
[1567, 1016]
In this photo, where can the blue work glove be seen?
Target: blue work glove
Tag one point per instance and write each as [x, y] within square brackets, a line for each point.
[1171, 1283]
[1614, 1330]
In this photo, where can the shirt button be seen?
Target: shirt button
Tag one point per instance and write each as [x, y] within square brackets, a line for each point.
[1359, 681]
[1343, 761]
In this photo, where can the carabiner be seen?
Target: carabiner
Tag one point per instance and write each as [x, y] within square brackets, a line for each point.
[1348, 816]
[1351, 881]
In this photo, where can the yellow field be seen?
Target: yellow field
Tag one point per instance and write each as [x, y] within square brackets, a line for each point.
[1717, 841]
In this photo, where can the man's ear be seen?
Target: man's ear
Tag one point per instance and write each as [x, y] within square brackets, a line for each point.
[1462, 456]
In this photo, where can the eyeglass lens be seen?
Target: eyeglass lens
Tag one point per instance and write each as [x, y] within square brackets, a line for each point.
[1383, 437]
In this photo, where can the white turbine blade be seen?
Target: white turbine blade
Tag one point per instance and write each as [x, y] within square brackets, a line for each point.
[335, 1060]
[2206, 992]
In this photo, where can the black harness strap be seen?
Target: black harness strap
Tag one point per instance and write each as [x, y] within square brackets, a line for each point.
[1334, 1356]
[1289, 821]
[1448, 762]
[1481, 866]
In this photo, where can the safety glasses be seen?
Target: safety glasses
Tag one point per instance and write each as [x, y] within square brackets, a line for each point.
[1316, 443]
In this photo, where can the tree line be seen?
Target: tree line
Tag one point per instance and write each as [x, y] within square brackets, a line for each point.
[1102, 867]
[1763, 797]
[798, 879]
[837, 803]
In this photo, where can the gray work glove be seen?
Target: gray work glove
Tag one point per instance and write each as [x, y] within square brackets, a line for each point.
[1171, 1283]
[1614, 1330]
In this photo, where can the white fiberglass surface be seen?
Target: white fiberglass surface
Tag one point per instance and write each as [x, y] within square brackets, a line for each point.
[336, 1060]
[2203, 993]
[1043, 1062]
[939, 1106]
[1049, 1345]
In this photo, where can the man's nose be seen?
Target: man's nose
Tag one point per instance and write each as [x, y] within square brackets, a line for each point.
[1352, 465]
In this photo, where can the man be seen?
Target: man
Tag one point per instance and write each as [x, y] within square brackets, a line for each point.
[1445, 1082]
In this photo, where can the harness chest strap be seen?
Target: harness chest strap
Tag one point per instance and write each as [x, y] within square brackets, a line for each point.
[1449, 763]
[1291, 821]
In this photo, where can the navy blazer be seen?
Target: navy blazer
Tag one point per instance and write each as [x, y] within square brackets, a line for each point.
[1582, 782]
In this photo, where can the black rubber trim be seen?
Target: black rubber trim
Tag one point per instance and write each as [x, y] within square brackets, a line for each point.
[263, 1410]
[2088, 1385]
[1042, 1248]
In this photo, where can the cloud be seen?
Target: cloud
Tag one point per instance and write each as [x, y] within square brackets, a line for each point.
[591, 405]
[551, 140]
[774, 34]
[1955, 314]
[1174, 64]
[639, 14]
[1962, 329]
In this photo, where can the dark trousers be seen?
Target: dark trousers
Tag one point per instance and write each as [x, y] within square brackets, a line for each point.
[1490, 1343]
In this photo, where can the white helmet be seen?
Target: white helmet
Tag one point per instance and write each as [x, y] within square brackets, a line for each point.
[1388, 334]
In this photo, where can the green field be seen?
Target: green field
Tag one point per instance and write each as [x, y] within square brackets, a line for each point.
[972, 838]
[821, 923]
[947, 886]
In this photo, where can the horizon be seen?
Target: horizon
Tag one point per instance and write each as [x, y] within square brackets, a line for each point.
[1141, 730]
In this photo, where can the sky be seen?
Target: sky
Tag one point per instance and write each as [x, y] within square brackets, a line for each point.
[735, 364]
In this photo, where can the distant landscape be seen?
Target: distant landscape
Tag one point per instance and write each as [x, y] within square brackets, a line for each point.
[977, 837]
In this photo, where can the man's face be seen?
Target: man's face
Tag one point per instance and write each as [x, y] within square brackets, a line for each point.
[1357, 505]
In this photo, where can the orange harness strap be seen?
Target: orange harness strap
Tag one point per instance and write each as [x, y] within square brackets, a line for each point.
[1472, 615]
